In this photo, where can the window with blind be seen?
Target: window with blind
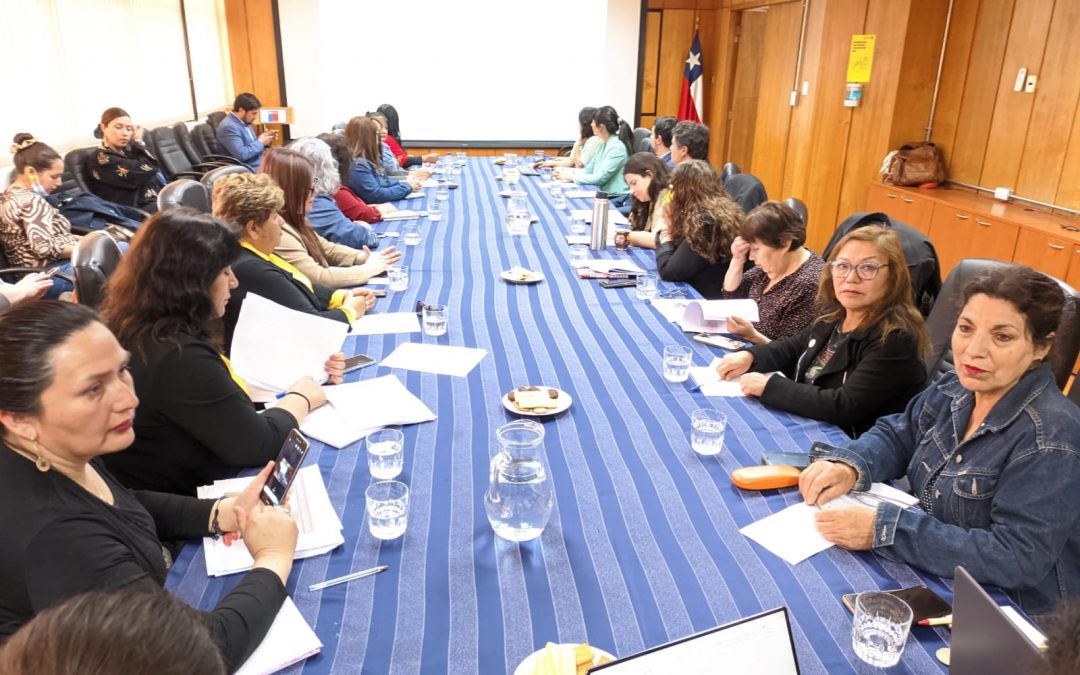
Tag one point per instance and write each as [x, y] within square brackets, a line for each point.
[66, 61]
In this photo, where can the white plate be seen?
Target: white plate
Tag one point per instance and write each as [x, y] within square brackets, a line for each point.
[533, 278]
[562, 403]
[526, 666]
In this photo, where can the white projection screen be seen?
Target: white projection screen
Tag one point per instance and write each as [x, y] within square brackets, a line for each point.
[460, 71]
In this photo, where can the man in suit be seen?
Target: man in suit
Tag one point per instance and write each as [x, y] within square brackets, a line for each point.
[661, 138]
[238, 138]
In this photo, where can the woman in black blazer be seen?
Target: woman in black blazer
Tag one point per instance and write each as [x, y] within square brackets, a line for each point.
[858, 361]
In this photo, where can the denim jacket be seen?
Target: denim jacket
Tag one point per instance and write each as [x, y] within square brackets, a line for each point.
[1007, 503]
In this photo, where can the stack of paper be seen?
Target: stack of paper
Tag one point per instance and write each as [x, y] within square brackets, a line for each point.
[613, 217]
[388, 322]
[355, 409]
[290, 640]
[671, 309]
[710, 316]
[711, 384]
[402, 214]
[792, 534]
[274, 346]
[320, 527]
[438, 359]
[608, 266]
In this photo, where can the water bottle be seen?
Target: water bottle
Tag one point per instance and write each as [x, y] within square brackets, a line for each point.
[598, 238]
[519, 497]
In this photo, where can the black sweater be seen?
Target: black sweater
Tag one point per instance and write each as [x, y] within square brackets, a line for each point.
[866, 378]
[57, 540]
[679, 262]
[194, 423]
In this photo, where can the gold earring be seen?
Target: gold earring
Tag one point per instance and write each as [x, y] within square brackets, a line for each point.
[41, 462]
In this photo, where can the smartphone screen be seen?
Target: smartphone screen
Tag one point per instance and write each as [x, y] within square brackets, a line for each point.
[356, 362]
[799, 460]
[924, 603]
[288, 463]
[719, 341]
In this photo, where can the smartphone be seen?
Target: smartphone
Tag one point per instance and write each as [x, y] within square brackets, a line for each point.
[288, 463]
[617, 283]
[357, 362]
[719, 341]
[799, 460]
[924, 603]
[379, 293]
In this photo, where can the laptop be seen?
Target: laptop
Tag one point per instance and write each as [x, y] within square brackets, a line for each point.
[984, 640]
[761, 644]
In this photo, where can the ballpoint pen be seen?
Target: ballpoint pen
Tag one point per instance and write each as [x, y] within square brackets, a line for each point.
[348, 577]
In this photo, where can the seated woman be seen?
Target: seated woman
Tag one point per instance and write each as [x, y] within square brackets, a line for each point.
[393, 139]
[123, 170]
[325, 263]
[861, 358]
[992, 451]
[699, 224]
[585, 147]
[195, 422]
[32, 231]
[647, 177]
[352, 206]
[784, 279]
[67, 526]
[605, 169]
[324, 215]
[249, 204]
[368, 180]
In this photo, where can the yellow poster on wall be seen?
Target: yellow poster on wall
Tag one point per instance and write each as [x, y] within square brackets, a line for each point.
[861, 58]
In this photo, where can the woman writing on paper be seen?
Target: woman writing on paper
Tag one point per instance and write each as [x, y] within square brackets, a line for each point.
[195, 422]
[991, 450]
[585, 147]
[67, 526]
[647, 176]
[325, 263]
[861, 358]
[605, 168]
[699, 223]
[784, 279]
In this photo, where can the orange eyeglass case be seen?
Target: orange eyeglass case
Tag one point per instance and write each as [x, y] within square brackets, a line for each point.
[765, 477]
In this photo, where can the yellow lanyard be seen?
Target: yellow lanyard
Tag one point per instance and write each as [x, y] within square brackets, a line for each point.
[236, 378]
[278, 261]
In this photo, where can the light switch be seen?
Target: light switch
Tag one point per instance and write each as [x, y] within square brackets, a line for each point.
[1029, 85]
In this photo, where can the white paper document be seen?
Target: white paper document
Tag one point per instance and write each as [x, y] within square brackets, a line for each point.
[413, 195]
[430, 183]
[614, 217]
[389, 322]
[610, 266]
[671, 309]
[274, 346]
[438, 359]
[792, 534]
[712, 385]
[355, 409]
[577, 239]
[319, 525]
[402, 214]
[710, 316]
[290, 640]
[580, 194]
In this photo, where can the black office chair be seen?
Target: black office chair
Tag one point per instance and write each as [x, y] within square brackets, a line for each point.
[730, 169]
[206, 142]
[171, 157]
[12, 274]
[184, 192]
[747, 190]
[212, 176]
[94, 259]
[77, 163]
[183, 137]
[643, 140]
[799, 207]
[942, 321]
[214, 119]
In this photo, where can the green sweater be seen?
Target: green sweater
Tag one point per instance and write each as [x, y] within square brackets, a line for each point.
[605, 169]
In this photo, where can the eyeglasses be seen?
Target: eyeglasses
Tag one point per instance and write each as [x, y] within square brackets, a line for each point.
[866, 271]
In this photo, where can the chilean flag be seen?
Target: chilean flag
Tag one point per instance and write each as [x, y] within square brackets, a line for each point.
[690, 101]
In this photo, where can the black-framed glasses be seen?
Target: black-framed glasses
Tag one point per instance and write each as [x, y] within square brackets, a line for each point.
[866, 271]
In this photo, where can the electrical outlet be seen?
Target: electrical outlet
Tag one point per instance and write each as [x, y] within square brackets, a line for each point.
[1029, 86]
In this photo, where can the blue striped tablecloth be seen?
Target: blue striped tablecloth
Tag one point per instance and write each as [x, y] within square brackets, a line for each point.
[644, 545]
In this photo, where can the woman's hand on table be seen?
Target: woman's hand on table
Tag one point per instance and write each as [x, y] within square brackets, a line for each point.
[380, 261]
[335, 368]
[753, 384]
[734, 365]
[824, 481]
[385, 208]
[850, 527]
[361, 301]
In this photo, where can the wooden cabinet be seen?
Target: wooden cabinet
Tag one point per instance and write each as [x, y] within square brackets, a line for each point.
[902, 205]
[1073, 276]
[959, 233]
[1045, 253]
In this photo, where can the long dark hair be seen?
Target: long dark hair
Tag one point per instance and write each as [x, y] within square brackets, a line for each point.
[393, 127]
[295, 174]
[616, 126]
[161, 288]
[643, 164]
[362, 138]
[701, 211]
[584, 118]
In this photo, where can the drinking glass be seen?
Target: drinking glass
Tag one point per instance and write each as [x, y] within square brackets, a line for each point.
[436, 318]
[579, 253]
[398, 277]
[462, 158]
[385, 453]
[538, 156]
[622, 239]
[517, 223]
[880, 629]
[435, 210]
[646, 286]
[387, 508]
[545, 174]
[442, 191]
[707, 431]
[411, 234]
[577, 223]
[677, 363]
[558, 198]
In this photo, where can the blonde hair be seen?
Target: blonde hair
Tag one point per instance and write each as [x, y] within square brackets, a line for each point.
[242, 198]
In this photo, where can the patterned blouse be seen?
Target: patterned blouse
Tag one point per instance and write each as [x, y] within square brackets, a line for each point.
[789, 306]
[132, 178]
[33, 233]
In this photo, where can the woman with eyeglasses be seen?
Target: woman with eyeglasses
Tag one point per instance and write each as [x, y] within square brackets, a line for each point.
[858, 360]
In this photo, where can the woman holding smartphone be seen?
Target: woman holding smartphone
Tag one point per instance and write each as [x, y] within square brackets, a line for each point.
[67, 526]
[196, 422]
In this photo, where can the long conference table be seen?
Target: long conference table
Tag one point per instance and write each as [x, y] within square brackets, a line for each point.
[644, 544]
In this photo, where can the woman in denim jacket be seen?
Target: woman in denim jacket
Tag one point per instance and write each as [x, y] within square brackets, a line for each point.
[992, 451]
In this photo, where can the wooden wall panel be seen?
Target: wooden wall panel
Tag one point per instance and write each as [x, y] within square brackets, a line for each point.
[1012, 111]
[674, 48]
[718, 32]
[774, 110]
[651, 67]
[252, 49]
[915, 88]
[800, 169]
[1068, 192]
[1054, 108]
[954, 73]
[742, 120]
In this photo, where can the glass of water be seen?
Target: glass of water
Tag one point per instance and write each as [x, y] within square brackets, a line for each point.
[411, 234]
[434, 210]
[385, 457]
[398, 277]
[435, 319]
[579, 253]
[707, 428]
[880, 630]
[558, 198]
[462, 158]
[387, 508]
[517, 223]
[442, 191]
[646, 286]
[577, 223]
[677, 363]
[545, 174]
[538, 156]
